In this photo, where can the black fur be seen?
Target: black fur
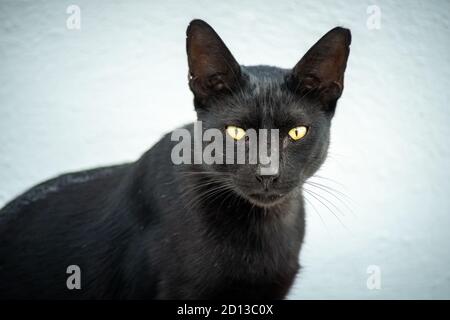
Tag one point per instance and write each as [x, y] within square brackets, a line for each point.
[155, 230]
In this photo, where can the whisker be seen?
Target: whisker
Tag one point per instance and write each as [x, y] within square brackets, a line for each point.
[202, 197]
[315, 209]
[332, 212]
[330, 192]
[329, 179]
[328, 201]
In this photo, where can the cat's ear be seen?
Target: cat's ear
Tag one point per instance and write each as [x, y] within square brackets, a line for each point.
[321, 70]
[212, 68]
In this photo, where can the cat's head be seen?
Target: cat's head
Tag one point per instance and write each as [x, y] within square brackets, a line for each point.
[298, 102]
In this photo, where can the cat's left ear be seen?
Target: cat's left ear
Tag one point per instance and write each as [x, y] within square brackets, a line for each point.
[321, 70]
[212, 68]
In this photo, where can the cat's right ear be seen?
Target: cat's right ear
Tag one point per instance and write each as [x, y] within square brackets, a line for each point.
[212, 68]
[321, 70]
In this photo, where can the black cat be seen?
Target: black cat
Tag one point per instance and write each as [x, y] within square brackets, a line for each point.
[156, 230]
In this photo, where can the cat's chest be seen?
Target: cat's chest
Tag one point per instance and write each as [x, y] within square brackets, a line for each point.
[265, 272]
[228, 258]
[254, 261]
[257, 246]
[257, 257]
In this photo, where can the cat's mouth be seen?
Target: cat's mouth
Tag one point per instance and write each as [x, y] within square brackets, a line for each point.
[266, 199]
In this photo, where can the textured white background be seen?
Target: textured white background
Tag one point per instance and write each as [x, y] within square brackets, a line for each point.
[75, 99]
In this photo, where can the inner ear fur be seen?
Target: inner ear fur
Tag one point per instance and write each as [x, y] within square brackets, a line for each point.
[321, 70]
[212, 67]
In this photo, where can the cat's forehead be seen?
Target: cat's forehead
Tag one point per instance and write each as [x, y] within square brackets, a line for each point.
[266, 85]
[265, 101]
[262, 77]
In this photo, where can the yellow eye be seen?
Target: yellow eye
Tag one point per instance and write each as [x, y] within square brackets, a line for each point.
[298, 132]
[235, 132]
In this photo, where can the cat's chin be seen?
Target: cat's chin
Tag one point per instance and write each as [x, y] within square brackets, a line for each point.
[266, 200]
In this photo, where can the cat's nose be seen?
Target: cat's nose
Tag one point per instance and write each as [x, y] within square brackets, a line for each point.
[266, 180]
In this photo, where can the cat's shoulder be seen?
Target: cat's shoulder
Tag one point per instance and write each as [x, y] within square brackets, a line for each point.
[59, 183]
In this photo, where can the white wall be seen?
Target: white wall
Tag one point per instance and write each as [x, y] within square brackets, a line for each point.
[75, 99]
